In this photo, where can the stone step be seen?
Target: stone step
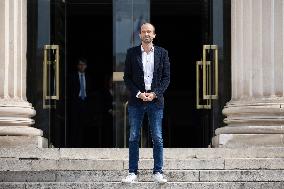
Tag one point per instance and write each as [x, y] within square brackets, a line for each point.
[13, 164]
[145, 176]
[143, 185]
[145, 153]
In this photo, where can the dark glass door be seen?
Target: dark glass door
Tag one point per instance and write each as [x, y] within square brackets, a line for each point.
[46, 68]
[185, 31]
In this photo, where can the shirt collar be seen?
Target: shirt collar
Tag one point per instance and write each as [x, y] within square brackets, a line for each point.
[81, 73]
[151, 50]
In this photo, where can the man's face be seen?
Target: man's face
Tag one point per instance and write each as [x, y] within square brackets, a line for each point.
[147, 33]
[81, 66]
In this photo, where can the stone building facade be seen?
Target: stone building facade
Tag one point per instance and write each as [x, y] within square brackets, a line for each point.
[254, 115]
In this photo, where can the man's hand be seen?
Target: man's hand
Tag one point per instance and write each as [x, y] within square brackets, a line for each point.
[150, 96]
[143, 96]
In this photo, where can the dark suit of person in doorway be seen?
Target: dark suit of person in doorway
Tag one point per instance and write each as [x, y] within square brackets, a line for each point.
[146, 76]
[82, 94]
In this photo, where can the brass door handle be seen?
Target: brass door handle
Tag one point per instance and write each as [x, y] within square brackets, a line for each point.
[200, 66]
[207, 81]
[209, 73]
[50, 76]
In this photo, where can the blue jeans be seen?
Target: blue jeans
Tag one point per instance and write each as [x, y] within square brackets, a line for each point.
[155, 116]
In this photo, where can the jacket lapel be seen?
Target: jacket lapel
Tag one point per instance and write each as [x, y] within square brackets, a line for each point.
[156, 59]
[139, 57]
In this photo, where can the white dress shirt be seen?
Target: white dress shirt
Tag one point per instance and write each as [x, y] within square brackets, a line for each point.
[148, 67]
[84, 83]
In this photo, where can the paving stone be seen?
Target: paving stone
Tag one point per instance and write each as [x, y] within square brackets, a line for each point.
[30, 153]
[67, 164]
[187, 164]
[27, 176]
[254, 163]
[241, 175]
[117, 176]
[145, 153]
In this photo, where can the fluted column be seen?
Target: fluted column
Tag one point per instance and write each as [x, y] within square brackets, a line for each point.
[255, 114]
[15, 110]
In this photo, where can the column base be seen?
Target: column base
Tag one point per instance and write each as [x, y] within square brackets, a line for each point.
[23, 142]
[252, 123]
[248, 140]
[15, 125]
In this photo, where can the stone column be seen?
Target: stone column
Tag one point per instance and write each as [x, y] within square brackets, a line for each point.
[255, 114]
[15, 110]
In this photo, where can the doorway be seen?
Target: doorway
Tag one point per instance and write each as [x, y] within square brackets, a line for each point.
[59, 34]
[183, 28]
[89, 37]
[99, 32]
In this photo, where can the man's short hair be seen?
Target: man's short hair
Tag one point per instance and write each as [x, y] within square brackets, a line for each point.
[82, 60]
[148, 23]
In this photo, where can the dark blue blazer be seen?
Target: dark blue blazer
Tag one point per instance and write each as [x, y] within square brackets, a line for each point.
[134, 75]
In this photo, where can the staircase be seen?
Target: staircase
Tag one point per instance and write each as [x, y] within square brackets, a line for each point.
[104, 168]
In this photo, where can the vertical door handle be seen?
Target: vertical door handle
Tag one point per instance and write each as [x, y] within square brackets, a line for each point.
[50, 76]
[209, 93]
[200, 66]
[209, 78]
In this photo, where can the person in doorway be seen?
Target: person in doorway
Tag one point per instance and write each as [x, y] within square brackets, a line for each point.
[146, 76]
[81, 90]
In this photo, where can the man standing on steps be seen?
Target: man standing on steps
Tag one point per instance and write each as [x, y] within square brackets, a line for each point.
[146, 76]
